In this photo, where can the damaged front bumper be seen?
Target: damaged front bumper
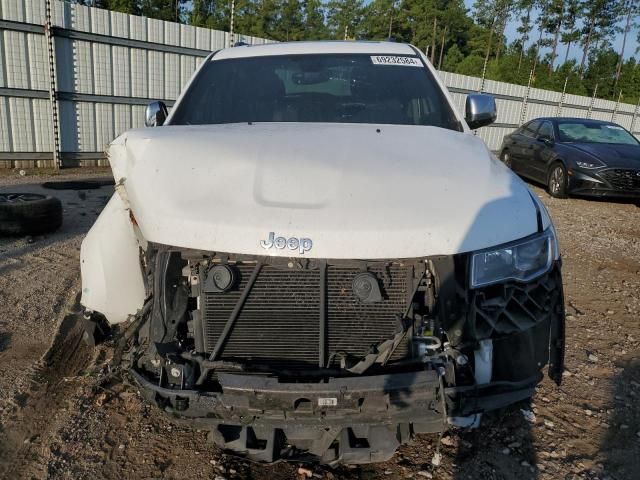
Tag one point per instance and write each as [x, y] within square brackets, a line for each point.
[345, 420]
[456, 353]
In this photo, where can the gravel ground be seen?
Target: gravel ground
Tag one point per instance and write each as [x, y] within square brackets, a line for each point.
[62, 415]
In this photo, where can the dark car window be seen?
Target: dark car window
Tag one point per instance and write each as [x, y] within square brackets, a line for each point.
[333, 88]
[590, 132]
[546, 130]
[530, 129]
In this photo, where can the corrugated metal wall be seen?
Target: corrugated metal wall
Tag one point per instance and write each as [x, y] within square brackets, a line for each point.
[539, 103]
[110, 65]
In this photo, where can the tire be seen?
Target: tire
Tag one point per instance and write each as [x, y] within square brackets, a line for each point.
[78, 184]
[505, 157]
[29, 214]
[557, 181]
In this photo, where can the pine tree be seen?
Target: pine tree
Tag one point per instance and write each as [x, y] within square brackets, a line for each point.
[493, 15]
[571, 34]
[600, 17]
[314, 20]
[524, 8]
[377, 17]
[344, 18]
[289, 25]
[631, 10]
[207, 13]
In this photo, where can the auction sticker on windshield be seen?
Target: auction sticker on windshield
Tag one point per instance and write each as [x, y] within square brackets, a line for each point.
[396, 60]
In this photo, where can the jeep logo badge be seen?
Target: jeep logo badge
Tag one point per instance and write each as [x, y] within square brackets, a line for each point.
[301, 244]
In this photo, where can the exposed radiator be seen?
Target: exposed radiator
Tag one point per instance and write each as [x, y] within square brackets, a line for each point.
[279, 324]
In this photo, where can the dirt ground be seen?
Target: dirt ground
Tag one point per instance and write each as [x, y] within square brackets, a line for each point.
[63, 416]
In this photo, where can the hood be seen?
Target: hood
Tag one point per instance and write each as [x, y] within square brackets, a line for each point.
[613, 155]
[356, 191]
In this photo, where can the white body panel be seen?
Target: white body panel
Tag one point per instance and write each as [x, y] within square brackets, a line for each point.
[407, 191]
[112, 281]
[358, 191]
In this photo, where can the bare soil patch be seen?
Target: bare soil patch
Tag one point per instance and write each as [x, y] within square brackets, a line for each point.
[64, 415]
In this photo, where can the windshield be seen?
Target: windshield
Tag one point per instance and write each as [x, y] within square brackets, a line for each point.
[316, 88]
[588, 132]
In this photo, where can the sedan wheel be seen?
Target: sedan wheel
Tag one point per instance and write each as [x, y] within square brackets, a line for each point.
[506, 159]
[558, 181]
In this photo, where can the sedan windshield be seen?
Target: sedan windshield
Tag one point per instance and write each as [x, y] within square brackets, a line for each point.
[589, 132]
[316, 88]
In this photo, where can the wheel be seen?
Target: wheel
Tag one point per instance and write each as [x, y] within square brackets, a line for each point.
[557, 182]
[29, 213]
[505, 156]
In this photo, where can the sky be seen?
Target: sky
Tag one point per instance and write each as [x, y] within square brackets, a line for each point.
[575, 51]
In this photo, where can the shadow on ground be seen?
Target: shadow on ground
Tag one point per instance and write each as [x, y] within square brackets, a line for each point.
[621, 446]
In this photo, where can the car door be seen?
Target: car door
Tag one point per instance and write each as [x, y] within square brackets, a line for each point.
[523, 149]
[542, 151]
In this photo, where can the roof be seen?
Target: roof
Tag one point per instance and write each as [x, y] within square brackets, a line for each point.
[297, 48]
[583, 120]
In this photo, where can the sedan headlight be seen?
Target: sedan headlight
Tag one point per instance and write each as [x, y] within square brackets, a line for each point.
[589, 165]
[522, 260]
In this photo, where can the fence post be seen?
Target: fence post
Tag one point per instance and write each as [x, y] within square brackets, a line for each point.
[233, 7]
[635, 115]
[523, 109]
[593, 99]
[615, 109]
[562, 97]
[51, 54]
[484, 73]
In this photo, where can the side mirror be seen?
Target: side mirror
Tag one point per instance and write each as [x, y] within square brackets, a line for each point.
[546, 140]
[155, 114]
[480, 110]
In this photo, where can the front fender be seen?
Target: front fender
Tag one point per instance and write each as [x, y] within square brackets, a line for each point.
[112, 279]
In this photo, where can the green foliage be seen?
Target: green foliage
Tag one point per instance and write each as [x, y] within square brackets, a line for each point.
[452, 59]
[546, 30]
[344, 18]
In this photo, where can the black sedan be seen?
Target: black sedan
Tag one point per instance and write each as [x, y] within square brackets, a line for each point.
[576, 156]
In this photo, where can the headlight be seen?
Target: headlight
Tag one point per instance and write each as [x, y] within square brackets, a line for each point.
[589, 164]
[523, 260]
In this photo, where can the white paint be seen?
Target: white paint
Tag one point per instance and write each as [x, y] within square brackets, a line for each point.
[396, 61]
[110, 265]
[408, 191]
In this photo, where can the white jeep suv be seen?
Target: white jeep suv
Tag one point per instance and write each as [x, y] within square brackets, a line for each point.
[317, 259]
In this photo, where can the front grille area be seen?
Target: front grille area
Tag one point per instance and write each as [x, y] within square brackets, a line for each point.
[279, 323]
[622, 179]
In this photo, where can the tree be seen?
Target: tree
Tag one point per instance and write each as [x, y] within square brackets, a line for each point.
[601, 70]
[493, 15]
[377, 19]
[551, 20]
[629, 81]
[599, 18]
[452, 59]
[314, 20]
[344, 17]
[289, 24]
[169, 10]
[524, 8]
[207, 13]
[631, 9]
[570, 34]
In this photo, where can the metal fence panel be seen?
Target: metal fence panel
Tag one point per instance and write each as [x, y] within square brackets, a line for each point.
[108, 65]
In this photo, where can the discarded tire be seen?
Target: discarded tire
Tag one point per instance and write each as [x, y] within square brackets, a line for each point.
[79, 184]
[29, 213]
